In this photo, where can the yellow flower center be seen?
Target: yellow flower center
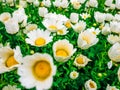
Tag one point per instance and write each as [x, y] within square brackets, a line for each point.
[87, 39]
[5, 18]
[53, 27]
[74, 74]
[40, 41]
[80, 60]
[61, 52]
[92, 85]
[42, 70]
[68, 24]
[11, 61]
[60, 31]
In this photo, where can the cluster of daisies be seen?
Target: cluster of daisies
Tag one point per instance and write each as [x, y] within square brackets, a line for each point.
[37, 70]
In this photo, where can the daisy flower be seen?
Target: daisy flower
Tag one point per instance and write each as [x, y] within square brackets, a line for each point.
[85, 15]
[42, 11]
[63, 50]
[9, 87]
[74, 74]
[111, 87]
[10, 58]
[4, 17]
[90, 85]
[38, 38]
[112, 39]
[74, 17]
[37, 71]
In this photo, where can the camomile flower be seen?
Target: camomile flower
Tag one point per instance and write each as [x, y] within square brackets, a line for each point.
[22, 3]
[114, 52]
[68, 24]
[117, 17]
[94, 31]
[62, 31]
[63, 50]
[80, 26]
[30, 27]
[9, 87]
[86, 39]
[85, 15]
[12, 26]
[74, 17]
[115, 27]
[92, 3]
[10, 59]
[37, 71]
[108, 2]
[10, 2]
[42, 11]
[36, 3]
[111, 87]
[74, 74]
[81, 61]
[112, 39]
[5, 17]
[90, 85]
[61, 3]
[117, 4]
[52, 25]
[109, 17]
[38, 38]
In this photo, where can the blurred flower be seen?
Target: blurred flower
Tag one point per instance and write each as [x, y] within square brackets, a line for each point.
[23, 3]
[80, 26]
[108, 2]
[68, 24]
[90, 85]
[61, 3]
[38, 38]
[62, 31]
[46, 3]
[106, 29]
[20, 16]
[114, 52]
[81, 61]
[92, 3]
[117, 4]
[10, 58]
[37, 71]
[108, 17]
[76, 4]
[30, 27]
[36, 3]
[74, 17]
[9, 87]
[111, 87]
[42, 11]
[11, 2]
[63, 50]
[30, 1]
[12, 26]
[117, 17]
[4, 17]
[87, 39]
[115, 27]
[94, 31]
[74, 74]
[99, 17]
[112, 39]
[118, 73]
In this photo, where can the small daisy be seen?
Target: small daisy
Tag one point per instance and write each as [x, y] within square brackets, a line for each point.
[22, 3]
[81, 61]
[9, 87]
[106, 29]
[112, 39]
[10, 59]
[37, 71]
[94, 31]
[115, 27]
[46, 3]
[38, 38]
[99, 17]
[76, 4]
[63, 50]
[62, 31]
[114, 52]
[5, 17]
[74, 74]
[74, 17]
[36, 3]
[92, 3]
[85, 15]
[42, 11]
[90, 85]
[68, 24]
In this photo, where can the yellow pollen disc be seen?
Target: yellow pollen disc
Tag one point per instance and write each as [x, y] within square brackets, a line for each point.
[6, 18]
[11, 61]
[74, 74]
[62, 52]
[40, 41]
[60, 31]
[94, 32]
[86, 39]
[68, 24]
[42, 70]
[80, 60]
[53, 27]
[92, 85]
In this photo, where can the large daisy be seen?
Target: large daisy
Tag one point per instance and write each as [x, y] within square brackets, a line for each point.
[38, 38]
[63, 50]
[37, 71]
[10, 58]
